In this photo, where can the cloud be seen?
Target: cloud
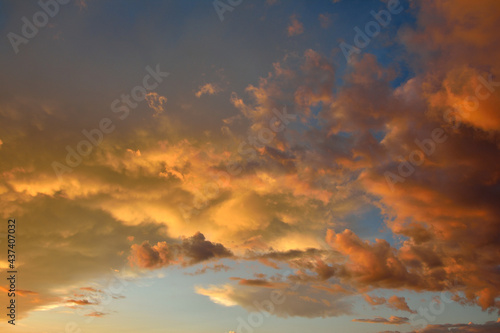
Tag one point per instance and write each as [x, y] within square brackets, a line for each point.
[295, 28]
[80, 302]
[375, 300]
[190, 251]
[23, 293]
[90, 289]
[207, 89]
[257, 283]
[214, 268]
[488, 327]
[86, 254]
[156, 102]
[399, 303]
[82, 4]
[147, 256]
[198, 249]
[155, 180]
[96, 314]
[325, 20]
[284, 301]
[393, 320]
[376, 265]
[285, 255]
[218, 294]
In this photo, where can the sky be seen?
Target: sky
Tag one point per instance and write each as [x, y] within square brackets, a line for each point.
[243, 166]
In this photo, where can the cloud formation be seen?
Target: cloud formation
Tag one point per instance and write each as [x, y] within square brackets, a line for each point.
[386, 178]
[394, 302]
[283, 300]
[488, 327]
[207, 89]
[393, 320]
[295, 27]
[190, 251]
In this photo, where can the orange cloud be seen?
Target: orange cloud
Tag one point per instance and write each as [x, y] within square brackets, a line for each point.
[295, 27]
[393, 320]
[156, 102]
[488, 327]
[208, 89]
[399, 303]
